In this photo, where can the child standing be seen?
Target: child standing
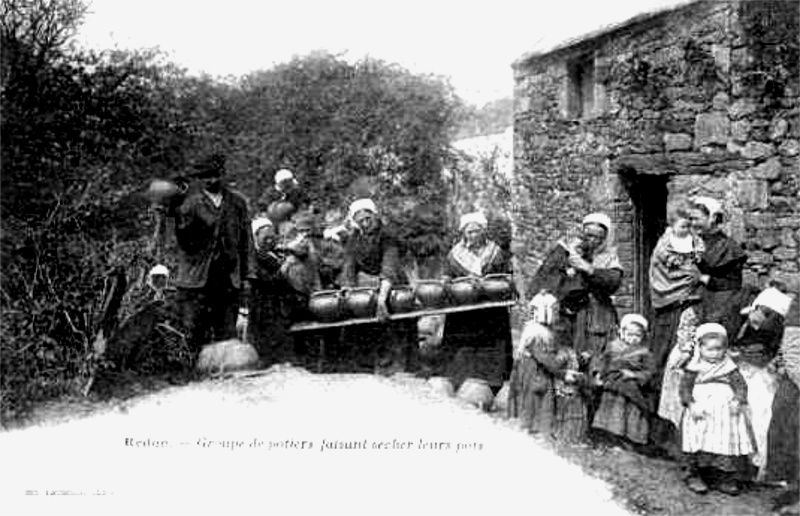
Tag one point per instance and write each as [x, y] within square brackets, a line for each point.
[717, 438]
[270, 297]
[544, 386]
[621, 372]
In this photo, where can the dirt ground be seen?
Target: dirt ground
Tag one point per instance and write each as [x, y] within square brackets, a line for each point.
[292, 442]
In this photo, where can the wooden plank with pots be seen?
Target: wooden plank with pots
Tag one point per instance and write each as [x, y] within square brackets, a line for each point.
[314, 325]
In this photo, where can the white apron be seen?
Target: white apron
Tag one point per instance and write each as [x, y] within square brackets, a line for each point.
[669, 402]
[761, 387]
[718, 431]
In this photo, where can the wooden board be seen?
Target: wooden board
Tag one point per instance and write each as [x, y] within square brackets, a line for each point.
[311, 325]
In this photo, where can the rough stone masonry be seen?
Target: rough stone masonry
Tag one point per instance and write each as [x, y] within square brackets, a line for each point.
[703, 97]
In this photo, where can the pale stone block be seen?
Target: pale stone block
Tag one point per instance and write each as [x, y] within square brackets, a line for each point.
[758, 150]
[770, 169]
[711, 128]
[677, 141]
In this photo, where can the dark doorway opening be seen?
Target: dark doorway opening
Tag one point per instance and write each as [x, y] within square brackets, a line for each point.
[648, 194]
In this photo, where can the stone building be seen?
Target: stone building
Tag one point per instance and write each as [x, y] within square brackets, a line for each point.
[702, 98]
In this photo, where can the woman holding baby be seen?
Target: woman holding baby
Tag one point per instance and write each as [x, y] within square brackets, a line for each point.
[581, 274]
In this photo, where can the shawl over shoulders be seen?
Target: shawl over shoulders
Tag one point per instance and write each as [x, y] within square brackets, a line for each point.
[461, 261]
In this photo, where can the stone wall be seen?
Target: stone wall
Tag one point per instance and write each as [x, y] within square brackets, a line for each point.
[706, 95]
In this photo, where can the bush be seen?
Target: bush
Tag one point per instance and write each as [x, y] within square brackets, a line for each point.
[83, 132]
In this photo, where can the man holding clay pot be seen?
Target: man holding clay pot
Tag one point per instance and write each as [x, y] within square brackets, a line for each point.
[212, 230]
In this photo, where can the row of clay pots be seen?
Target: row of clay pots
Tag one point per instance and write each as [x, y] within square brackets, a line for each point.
[334, 305]
[360, 302]
[464, 291]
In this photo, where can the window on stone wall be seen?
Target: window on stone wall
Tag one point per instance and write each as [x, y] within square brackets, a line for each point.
[580, 89]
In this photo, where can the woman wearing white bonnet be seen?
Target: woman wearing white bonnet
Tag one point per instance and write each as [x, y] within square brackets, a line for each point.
[481, 339]
[267, 324]
[474, 254]
[753, 347]
[367, 206]
[372, 259]
[583, 273]
[783, 437]
[283, 177]
[286, 197]
[721, 264]
[600, 219]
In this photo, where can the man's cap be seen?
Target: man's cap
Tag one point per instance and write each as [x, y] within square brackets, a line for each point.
[211, 166]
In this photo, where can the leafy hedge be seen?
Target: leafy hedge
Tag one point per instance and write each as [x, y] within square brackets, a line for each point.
[83, 132]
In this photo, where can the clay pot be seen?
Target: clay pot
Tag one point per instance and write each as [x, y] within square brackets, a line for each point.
[497, 287]
[464, 291]
[431, 293]
[326, 305]
[361, 302]
[441, 385]
[402, 300]
[226, 356]
[280, 211]
[476, 392]
[161, 190]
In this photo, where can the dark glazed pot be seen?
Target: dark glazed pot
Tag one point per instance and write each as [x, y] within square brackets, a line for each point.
[402, 300]
[464, 291]
[326, 305]
[497, 287]
[361, 302]
[431, 293]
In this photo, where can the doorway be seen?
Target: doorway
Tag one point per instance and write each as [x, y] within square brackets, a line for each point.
[648, 194]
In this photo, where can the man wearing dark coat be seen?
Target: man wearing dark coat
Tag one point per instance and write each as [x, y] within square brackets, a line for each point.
[212, 229]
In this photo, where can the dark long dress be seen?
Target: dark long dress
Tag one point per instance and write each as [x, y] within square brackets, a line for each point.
[538, 395]
[782, 456]
[783, 453]
[723, 260]
[480, 341]
[381, 347]
[273, 303]
[624, 408]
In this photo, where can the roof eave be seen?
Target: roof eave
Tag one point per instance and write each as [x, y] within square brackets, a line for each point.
[603, 32]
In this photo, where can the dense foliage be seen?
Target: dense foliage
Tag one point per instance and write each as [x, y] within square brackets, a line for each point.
[84, 131]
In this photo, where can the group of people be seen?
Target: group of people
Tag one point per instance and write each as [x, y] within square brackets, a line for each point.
[235, 271]
[701, 381]
[266, 269]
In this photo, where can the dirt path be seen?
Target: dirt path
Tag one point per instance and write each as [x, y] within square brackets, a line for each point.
[290, 442]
